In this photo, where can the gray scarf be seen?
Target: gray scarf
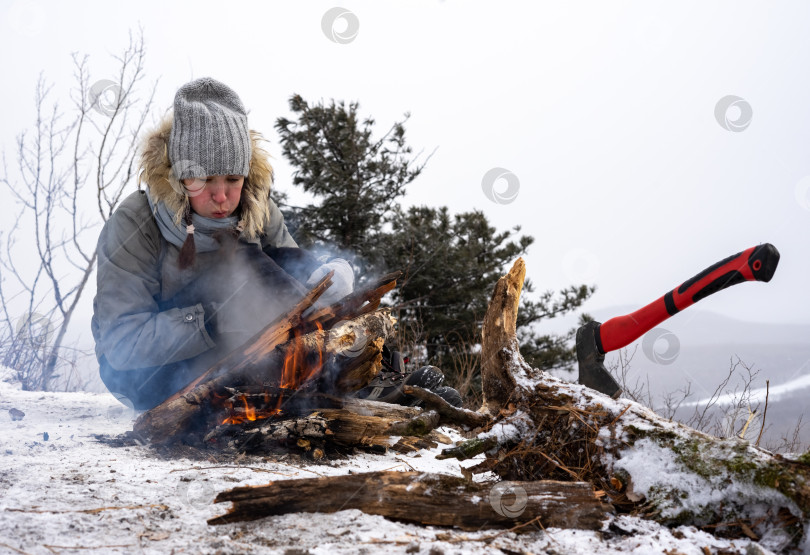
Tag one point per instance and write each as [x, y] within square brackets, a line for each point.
[204, 228]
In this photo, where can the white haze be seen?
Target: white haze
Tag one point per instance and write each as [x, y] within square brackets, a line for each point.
[605, 112]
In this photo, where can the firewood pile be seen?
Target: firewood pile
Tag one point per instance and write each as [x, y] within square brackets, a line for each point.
[291, 384]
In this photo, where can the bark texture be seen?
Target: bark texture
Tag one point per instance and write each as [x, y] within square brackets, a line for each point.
[430, 499]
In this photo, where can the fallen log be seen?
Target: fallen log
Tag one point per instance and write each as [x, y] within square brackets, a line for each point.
[545, 428]
[430, 499]
[350, 356]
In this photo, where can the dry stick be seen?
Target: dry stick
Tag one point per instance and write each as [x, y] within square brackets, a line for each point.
[348, 307]
[13, 548]
[469, 448]
[52, 547]
[420, 425]
[90, 511]
[561, 466]
[302, 469]
[765, 413]
[487, 539]
[620, 415]
[449, 413]
[253, 468]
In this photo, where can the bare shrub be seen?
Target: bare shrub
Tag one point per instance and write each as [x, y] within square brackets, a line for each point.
[70, 158]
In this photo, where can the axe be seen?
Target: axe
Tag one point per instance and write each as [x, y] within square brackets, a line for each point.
[595, 339]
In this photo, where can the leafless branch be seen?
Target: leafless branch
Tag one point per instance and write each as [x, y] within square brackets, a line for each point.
[54, 160]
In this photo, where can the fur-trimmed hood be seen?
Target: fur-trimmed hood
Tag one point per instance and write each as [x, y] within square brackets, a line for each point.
[156, 172]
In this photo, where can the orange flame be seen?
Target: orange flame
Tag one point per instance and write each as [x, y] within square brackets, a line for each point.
[296, 370]
[250, 412]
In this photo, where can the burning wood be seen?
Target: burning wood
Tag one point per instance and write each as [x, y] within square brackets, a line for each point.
[325, 423]
[335, 350]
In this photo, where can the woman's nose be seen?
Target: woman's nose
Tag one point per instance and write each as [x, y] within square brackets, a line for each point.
[218, 193]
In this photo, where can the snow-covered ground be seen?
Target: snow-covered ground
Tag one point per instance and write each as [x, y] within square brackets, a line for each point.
[63, 491]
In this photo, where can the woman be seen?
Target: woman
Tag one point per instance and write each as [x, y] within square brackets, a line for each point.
[186, 268]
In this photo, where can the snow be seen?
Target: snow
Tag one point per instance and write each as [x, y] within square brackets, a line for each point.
[512, 428]
[74, 494]
[652, 466]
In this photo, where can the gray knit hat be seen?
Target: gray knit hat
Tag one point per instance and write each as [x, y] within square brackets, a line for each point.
[209, 132]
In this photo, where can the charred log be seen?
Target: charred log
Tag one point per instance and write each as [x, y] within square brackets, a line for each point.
[326, 422]
[430, 499]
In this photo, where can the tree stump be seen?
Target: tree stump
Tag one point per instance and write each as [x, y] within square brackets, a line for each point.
[548, 428]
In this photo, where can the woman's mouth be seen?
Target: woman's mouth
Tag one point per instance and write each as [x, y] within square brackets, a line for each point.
[218, 214]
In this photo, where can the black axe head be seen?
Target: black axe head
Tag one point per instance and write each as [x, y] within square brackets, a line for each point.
[592, 371]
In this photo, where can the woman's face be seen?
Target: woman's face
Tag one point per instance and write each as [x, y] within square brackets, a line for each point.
[217, 196]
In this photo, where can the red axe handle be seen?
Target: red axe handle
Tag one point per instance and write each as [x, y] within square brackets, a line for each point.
[754, 264]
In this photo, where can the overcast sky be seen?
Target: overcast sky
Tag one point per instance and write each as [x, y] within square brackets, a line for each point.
[604, 113]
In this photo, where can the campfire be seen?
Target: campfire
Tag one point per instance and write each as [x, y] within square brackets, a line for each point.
[291, 386]
[300, 369]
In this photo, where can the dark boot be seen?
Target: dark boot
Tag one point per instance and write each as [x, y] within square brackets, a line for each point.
[450, 395]
[387, 385]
